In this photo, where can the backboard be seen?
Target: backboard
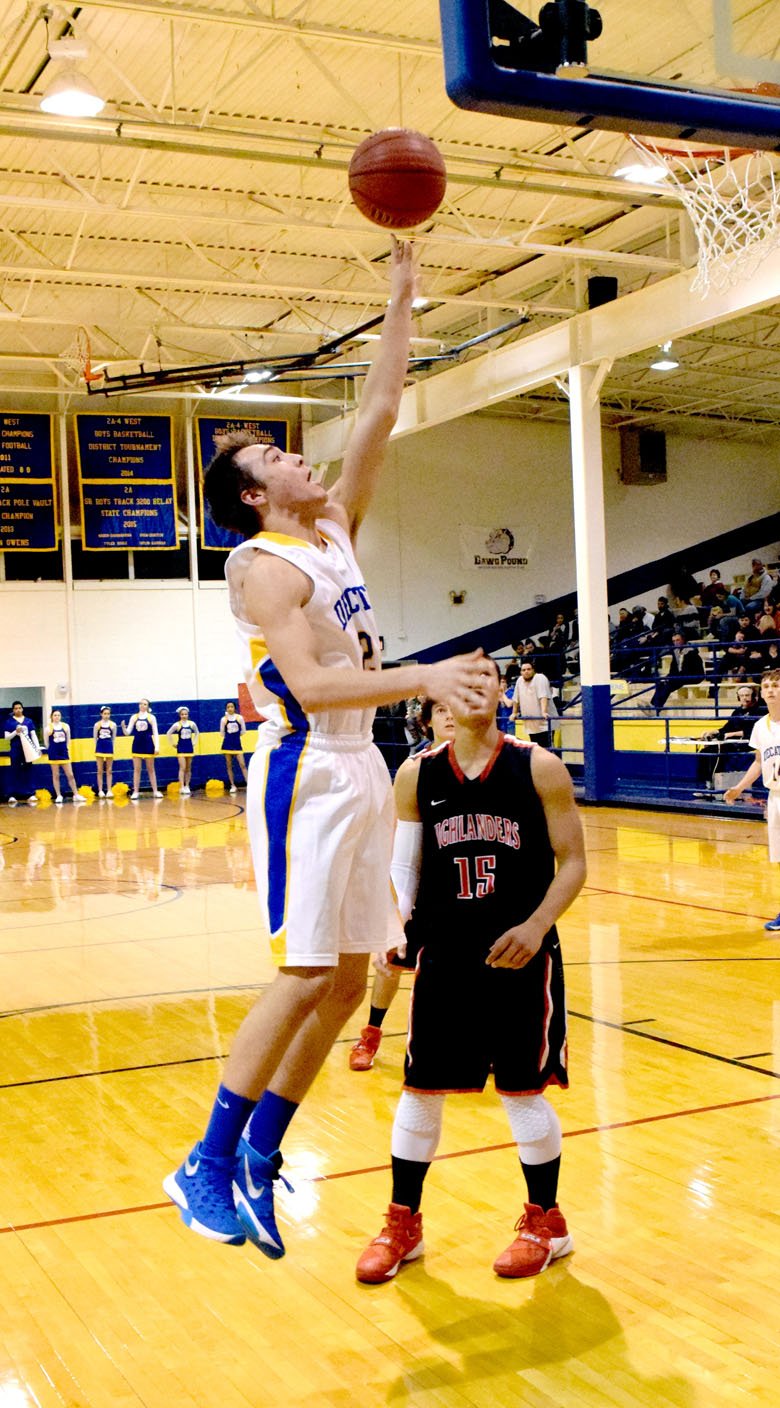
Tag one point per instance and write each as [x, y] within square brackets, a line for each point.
[665, 68]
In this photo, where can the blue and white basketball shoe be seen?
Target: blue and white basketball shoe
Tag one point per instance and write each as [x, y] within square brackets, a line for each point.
[773, 925]
[202, 1189]
[254, 1197]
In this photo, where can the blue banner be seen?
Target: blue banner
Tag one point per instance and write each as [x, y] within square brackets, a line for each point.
[128, 516]
[28, 506]
[207, 430]
[128, 495]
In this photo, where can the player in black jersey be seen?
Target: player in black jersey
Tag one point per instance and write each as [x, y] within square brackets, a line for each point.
[489, 852]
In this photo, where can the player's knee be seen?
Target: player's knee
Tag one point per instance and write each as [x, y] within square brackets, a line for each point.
[309, 986]
[535, 1127]
[348, 990]
[417, 1126]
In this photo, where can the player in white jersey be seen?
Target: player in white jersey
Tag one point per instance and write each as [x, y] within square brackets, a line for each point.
[319, 802]
[765, 738]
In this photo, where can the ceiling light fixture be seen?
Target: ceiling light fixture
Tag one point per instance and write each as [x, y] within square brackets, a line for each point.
[257, 375]
[665, 361]
[636, 164]
[71, 94]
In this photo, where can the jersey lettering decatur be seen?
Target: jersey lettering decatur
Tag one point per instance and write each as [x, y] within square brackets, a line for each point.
[339, 614]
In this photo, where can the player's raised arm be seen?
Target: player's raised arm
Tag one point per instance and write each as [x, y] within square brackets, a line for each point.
[381, 396]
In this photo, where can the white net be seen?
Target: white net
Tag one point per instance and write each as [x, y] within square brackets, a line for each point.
[78, 357]
[733, 200]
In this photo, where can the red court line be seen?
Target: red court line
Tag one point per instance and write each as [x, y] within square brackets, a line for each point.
[384, 1168]
[659, 899]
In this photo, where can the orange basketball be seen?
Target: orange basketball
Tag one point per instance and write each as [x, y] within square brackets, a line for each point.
[397, 178]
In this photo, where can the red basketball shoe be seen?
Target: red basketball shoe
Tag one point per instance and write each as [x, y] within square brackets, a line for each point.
[361, 1057]
[541, 1237]
[400, 1240]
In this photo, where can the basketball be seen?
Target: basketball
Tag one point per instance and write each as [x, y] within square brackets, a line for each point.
[397, 178]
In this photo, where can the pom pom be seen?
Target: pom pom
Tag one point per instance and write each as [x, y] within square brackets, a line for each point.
[173, 789]
[215, 787]
[44, 796]
[87, 792]
[120, 790]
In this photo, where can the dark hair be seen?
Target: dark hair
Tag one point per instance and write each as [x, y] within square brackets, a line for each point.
[223, 481]
[426, 713]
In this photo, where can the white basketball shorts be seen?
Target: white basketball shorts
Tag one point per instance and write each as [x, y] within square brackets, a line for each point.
[321, 815]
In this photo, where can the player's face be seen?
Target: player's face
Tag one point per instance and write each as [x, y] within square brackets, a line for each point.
[770, 691]
[442, 723]
[287, 478]
[56, 716]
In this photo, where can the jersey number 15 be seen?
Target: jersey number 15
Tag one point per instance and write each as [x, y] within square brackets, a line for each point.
[485, 880]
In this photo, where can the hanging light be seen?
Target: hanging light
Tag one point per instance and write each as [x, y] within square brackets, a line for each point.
[71, 94]
[257, 375]
[637, 164]
[665, 361]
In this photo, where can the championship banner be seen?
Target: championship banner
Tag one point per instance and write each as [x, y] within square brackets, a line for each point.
[126, 483]
[28, 505]
[267, 432]
[492, 547]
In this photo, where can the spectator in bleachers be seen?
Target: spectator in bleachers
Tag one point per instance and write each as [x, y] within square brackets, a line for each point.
[767, 620]
[709, 594]
[662, 624]
[513, 668]
[735, 662]
[623, 656]
[533, 704]
[685, 667]
[771, 655]
[716, 758]
[757, 586]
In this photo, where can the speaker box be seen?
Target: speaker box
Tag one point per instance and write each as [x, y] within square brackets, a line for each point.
[642, 456]
[602, 288]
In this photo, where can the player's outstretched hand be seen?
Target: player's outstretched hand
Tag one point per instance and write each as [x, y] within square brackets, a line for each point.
[403, 272]
[517, 946]
[730, 795]
[457, 680]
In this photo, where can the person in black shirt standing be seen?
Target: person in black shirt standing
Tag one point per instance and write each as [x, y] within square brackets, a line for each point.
[489, 852]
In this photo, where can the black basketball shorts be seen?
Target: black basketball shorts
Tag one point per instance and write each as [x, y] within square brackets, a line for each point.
[467, 1020]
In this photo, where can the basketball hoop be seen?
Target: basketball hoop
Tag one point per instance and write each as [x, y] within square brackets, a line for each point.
[732, 195]
[78, 357]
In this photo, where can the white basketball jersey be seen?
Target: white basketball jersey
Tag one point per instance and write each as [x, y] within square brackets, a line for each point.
[765, 738]
[340, 616]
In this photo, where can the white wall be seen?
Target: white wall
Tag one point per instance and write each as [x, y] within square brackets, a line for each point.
[486, 471]
[166, 640]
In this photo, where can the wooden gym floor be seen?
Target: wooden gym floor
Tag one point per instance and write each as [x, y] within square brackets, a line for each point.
[130, 951]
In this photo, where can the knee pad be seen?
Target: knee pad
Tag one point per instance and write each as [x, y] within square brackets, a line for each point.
[417, 1127]
[535, 1127]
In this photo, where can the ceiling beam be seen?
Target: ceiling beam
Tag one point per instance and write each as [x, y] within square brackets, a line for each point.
[638, 320]
[23, 118]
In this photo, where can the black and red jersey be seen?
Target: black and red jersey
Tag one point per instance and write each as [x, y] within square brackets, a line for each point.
[487, 858]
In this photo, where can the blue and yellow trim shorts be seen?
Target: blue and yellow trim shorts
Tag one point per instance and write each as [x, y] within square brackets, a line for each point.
[320, 814]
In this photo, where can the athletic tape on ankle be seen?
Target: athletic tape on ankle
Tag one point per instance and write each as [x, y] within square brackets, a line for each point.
[417, 1127]
[535, 1127]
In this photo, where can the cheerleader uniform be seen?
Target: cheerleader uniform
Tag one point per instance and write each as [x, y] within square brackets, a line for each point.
[186, 732]
[231, 740]
[104, 740]
[59, 738]
[143, 728]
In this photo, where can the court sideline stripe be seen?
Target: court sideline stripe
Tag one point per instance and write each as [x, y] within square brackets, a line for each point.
[384, 1168]
[676, 1045]
[681, 904]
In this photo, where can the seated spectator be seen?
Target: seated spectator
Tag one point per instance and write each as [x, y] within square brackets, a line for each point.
[717, 758]
[559, 635]
[757, 586]
[685, 667]
[767, 620]
[771, 660]
[662, 624]
[642, 617]
[623, 656]
[735, 662]
[709, 594]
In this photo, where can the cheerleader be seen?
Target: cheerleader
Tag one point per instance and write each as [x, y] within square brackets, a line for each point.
[104, 735]
[233, 728]
[21, 783]
[142, 727]
[185, 732]
[56, 741]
